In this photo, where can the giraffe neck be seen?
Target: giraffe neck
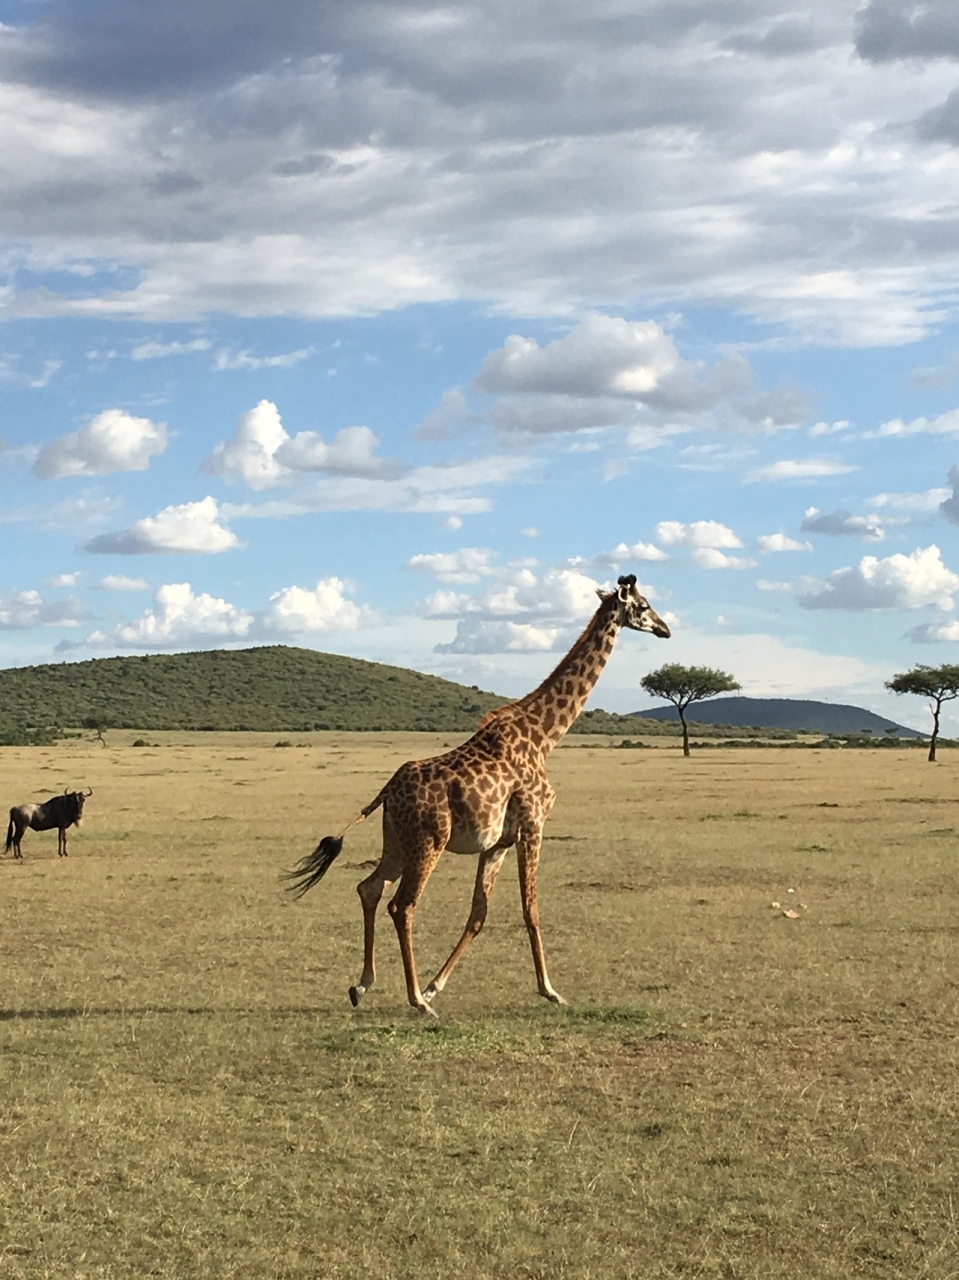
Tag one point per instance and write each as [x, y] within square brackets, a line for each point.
[551, 709]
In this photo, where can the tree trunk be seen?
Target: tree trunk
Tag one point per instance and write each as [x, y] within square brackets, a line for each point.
[685, 732]
[935, 732]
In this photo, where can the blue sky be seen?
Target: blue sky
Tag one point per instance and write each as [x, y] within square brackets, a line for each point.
[394, 330]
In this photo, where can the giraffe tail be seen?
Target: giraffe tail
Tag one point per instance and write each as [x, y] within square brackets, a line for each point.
[311, 869]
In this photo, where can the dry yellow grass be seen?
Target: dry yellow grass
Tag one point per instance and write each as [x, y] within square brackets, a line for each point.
[186, 1093]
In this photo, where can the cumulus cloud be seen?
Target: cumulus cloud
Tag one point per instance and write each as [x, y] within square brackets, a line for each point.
[800, 469]
[710, 558]
[469, 564]
[701, 533]
[623, 553]
[601, 361]
[305, 611]
[23, 610]
[769, 543]
[934, 632]
[180, 617]
[113, 441]
[192, 526]
[262, 453]
[840, 523]
[520, 612]
[896, 583]
[64, 580]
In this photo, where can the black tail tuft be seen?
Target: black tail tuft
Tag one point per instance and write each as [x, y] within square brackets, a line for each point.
[9, 843]
[311, 869]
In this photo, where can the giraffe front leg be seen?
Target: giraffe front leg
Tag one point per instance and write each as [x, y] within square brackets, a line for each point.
[486, 873]
[527, 857]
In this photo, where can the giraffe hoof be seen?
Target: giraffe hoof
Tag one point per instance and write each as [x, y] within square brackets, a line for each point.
[553, 996]
[427, 1011]
[356, 995]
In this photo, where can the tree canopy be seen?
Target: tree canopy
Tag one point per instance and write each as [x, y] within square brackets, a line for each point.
[939, 684]
[683, 685]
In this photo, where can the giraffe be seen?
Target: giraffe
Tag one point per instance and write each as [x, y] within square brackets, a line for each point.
[481, 798]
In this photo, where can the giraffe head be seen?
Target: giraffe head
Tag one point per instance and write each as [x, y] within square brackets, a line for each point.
[634, 609]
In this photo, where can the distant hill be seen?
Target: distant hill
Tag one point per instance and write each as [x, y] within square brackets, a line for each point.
[784, 713]
[274, 688]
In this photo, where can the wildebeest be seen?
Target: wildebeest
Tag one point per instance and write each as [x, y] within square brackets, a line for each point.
[60, 812]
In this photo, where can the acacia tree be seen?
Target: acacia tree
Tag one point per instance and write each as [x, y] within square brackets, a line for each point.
[684, 685]
[939, 684]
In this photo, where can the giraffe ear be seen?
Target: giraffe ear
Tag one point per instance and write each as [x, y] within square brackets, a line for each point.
[604, 595]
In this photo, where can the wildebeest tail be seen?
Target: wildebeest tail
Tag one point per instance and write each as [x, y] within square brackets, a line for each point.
[9, 845]
[311, 869]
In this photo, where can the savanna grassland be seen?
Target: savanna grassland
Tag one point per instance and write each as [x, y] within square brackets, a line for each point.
[186, 1092]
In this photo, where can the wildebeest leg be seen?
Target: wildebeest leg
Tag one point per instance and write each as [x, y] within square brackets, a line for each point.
[62, 842]
[486, 873]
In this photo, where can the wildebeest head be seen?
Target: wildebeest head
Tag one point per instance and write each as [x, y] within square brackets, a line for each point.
[78, 797]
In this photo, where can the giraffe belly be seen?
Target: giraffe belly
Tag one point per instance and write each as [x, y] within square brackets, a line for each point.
[469, 838]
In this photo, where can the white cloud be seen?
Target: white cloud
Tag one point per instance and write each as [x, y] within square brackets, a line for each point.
[179, 617]
[243, 360]
[800, 469]
[160, 350]
[429, 490]
[521, 612]
[323, 166]
[701, 533]
[192, 526]
[899, 582]
[930, 500]
[469, 564]
[113, 441]
[22, 610]
[64, 580]
[262, 454]
[302, 611]
[710, 558]
[830, 428]
[352, 452]
[249, 455]
[947, 424]
[624, 553]
[934, 632]
[840, 523]
[120, 582]
[768, 543]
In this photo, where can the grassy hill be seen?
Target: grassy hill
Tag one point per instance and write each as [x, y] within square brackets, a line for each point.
[785, 713]
[272, 689]
[275, 688]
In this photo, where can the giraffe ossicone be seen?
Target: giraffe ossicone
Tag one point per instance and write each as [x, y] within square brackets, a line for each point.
[481, 798]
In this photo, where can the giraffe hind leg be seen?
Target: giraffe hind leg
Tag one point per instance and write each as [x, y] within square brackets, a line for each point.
[370, 893]
[402, 909]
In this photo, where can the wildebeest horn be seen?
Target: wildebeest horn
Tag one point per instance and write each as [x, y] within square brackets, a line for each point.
[88, 792]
